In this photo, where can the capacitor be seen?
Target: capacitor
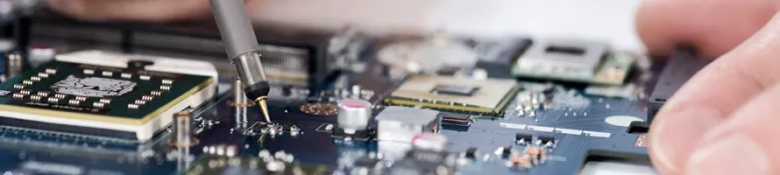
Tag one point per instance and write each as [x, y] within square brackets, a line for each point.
[429, 141]
[239, 103]
[6, 47]
[356, 91]
[354, 115]
[183, 135]
[14, 65]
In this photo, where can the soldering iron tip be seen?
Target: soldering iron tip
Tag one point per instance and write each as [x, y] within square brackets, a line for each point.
[264, 107]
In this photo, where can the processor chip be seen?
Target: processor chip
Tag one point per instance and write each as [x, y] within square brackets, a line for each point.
[456, 94]
[84, 99]
[93, 86]
[449, 89]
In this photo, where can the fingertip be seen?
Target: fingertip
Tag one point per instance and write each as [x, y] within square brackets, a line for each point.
[737, 154]
[675, 132]
[649, 20]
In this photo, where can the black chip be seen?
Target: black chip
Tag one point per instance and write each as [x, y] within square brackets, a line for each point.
[638, 127]
[366, 162]
[454, 90]
[546, 139]
[523, 136]
[471, 153]
[455, 119]
[507, 151]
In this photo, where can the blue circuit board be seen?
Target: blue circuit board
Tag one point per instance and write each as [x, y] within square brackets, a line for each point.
[580, 132]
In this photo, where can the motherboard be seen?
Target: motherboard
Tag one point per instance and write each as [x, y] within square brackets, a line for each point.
[435, 105]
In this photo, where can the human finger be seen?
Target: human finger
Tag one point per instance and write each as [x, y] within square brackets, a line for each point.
[712, 26]
[132, 10]
[712, 95]
[746, 142]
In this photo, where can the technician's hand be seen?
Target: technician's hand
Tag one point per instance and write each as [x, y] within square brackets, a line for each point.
[726, 119]
[136, 10]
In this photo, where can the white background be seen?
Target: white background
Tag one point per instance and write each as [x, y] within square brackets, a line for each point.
[609, 20]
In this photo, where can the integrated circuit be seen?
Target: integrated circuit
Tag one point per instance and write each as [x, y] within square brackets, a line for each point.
[574, 61]
[489, 96]
[125, 103]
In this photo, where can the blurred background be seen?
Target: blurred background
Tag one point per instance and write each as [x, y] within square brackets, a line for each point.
[610, 20]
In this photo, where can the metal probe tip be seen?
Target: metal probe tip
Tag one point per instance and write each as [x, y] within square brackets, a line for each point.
[263, 107]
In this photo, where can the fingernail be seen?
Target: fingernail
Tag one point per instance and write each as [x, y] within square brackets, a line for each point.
[675, 137]
[737, 154]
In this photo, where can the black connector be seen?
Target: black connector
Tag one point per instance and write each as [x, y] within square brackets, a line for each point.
[679, 68]
[638, 127]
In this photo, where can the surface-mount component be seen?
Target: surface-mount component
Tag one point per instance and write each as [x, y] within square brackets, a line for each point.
[449, 118]
[402, 124]
[574, 61]
[223, 165]
[489, 96]
[679, 68]
[72, 109]
[546, 139]
[638, 127]
[354, 115]
[523, 138]
[470, 153]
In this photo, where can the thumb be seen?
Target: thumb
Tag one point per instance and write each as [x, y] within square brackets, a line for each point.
[746, 143]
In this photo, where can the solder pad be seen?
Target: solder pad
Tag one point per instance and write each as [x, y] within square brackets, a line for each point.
[97, 93]
[485, 96]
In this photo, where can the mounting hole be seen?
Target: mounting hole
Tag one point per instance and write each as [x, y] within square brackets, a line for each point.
[621, 120]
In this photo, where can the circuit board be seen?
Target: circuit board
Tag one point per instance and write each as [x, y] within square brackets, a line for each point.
[544, 128]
